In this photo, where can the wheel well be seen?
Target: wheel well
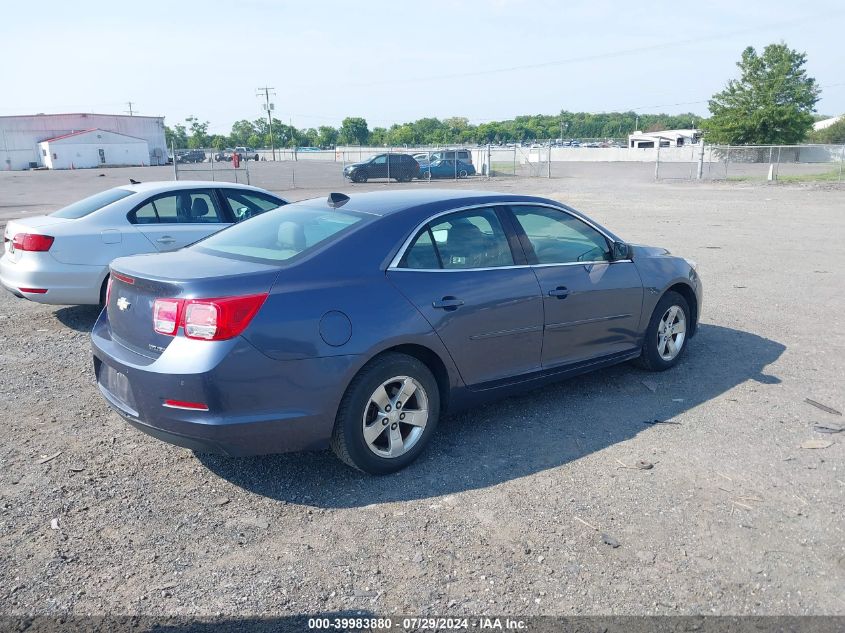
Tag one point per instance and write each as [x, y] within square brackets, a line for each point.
[435, 365]
[689, 294]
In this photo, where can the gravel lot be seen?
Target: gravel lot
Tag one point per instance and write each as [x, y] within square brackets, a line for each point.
[506, 512]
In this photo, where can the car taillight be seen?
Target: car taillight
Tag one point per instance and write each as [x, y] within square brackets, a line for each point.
[108, 291]
[32, 242]
[166, 315]
[206, 319]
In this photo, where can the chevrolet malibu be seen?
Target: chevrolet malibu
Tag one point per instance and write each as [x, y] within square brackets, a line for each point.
[63, 258]
[357, 321]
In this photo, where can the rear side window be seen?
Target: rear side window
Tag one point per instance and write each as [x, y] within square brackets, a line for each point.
[279, 235]
[86, 206]
[183, 207]
[464, 240]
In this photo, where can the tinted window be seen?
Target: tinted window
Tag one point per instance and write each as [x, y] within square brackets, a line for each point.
[183, 207]
[469, 239]
[380, 160]
[88, 205]
[560, 238]
[247, 204]
[279, 235]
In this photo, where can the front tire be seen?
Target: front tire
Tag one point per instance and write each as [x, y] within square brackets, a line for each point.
[667, 333]
[387, 415]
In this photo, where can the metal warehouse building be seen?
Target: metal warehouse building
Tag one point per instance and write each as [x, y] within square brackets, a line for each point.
[21, 137]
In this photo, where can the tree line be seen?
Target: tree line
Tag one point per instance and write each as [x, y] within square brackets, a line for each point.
[427, 131]
[772, 102]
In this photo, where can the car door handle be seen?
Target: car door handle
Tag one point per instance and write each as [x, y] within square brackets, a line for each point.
[165, 239]
[448, 303]
[561, 292]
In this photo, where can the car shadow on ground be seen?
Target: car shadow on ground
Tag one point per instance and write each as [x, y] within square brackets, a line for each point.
[79, 318]
[522, 435]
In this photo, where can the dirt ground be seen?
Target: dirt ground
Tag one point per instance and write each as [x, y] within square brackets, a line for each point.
[512, 508]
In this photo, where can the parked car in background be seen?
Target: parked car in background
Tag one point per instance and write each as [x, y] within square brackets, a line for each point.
[357, 321]
[399, 167]
[63, 257]
[246, 153]
[190, 156]
[451, 154]
[446, 169]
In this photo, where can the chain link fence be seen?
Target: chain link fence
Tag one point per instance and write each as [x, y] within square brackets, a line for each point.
[342, 166]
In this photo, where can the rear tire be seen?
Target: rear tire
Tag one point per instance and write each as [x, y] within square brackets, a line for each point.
[387, 415]
[667, 333]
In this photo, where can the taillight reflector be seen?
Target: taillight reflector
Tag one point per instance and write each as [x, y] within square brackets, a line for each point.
[34, 291]
[32, 242]
[181, 404]
[215, 319]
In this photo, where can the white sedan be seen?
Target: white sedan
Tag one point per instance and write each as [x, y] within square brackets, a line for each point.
[63, 258]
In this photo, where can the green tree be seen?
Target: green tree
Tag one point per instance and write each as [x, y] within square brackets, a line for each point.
[242, 131]
[176, 137]
[199, 132]
[354, 131]
[772, 102]
[327, 136]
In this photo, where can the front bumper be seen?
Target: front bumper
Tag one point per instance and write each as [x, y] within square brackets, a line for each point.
[66, 284]
[256, 405]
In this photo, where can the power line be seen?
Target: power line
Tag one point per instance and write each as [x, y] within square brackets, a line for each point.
[597, 56]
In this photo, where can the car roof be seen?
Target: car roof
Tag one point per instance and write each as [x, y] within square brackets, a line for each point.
[383, 203]
[173, 185]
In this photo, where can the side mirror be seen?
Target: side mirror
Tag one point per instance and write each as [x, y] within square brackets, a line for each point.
[620, 250]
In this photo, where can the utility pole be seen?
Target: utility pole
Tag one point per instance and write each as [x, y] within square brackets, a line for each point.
[269, 107]
[130, 111]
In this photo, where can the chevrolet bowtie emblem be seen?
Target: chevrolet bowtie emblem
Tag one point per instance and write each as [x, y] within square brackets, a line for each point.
[122, 303]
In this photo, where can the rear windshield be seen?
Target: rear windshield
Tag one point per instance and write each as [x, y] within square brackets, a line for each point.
[88, 205]
[278, 235]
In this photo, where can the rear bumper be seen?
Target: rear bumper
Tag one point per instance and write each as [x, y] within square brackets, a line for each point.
[256, 405]
[66, 284]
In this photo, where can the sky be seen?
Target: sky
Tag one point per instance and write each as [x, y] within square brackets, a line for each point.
[392, 62]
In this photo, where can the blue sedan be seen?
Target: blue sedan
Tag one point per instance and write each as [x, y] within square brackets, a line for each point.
[446, 168]
[357, 322]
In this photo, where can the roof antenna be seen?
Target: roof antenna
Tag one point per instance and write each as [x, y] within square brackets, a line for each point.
[132, 181]
[337, 200]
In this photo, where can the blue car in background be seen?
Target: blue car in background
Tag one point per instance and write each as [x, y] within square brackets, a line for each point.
[357, 322]
[446, 168]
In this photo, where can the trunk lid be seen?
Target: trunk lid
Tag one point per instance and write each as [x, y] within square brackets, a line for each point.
[139, 280]
[36, 224]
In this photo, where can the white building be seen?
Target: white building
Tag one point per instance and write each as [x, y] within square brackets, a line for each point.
[826, 123]
[93, 148]
[664, 138]
[20, 136]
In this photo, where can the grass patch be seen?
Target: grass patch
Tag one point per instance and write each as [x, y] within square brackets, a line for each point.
[827, 176]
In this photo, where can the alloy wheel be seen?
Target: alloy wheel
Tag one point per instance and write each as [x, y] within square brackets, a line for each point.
[671, 333]
[395, 417]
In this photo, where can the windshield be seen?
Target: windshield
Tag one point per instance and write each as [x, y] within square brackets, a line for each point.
[278, 235]
[93, 203]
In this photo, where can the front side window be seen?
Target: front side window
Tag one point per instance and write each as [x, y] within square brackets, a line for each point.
[182, 207]
[560, 238]
[468, 239]
[279, 235]
[380, 160]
